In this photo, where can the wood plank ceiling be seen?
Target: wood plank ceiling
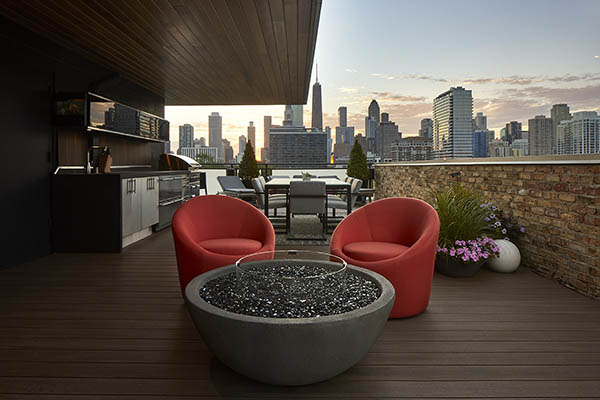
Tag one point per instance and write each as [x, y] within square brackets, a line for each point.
[192, 52]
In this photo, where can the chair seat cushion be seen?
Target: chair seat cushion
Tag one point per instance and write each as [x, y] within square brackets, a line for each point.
[232, 246]
[373, 251]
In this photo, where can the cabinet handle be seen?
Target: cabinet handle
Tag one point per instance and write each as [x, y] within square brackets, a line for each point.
[134, 185]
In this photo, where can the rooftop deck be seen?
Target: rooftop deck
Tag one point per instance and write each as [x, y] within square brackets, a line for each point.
[114, 325]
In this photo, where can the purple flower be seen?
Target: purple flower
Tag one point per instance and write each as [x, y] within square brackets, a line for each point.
[497, 224]
[494, 208]
[465, 258]
[522, 229]
[452, 252]
[504, 231]
[492, 216]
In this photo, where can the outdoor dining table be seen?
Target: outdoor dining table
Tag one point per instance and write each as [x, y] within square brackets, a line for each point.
[332, 186]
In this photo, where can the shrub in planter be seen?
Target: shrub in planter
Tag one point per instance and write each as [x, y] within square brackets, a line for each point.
[463, 244]
[248, 166]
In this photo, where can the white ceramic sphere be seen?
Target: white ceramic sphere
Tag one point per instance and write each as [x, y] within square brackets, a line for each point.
[509, 258]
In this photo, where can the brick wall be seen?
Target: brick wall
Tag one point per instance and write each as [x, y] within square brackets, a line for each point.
[559, 204]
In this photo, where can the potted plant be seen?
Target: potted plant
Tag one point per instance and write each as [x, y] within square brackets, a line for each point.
[248, 166]
[305, 176]
[507, 230]
[463, 244]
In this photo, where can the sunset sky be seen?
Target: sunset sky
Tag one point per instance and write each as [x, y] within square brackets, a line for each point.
[518, 58]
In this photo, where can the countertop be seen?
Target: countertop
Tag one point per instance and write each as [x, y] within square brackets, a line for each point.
[123, 174]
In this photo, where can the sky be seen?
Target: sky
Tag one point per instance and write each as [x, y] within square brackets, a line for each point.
[517, 57]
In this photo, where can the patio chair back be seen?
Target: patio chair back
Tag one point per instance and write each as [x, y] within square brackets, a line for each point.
[230, 182]
[354, 190]
[307, 197]
[259, 188]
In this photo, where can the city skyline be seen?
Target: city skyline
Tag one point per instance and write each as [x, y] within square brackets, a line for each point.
[514, 74]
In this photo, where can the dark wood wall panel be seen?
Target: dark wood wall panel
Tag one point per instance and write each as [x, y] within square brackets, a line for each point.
[189, 51]
[126, 151]
[72, 145]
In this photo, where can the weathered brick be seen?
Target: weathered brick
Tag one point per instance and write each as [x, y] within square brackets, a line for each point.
[566, 197]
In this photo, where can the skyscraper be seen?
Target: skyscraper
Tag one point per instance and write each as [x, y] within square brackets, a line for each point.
[388, 134]
[374, 114]
[374, 111]
[292, 115]
[540, 136]
[480, 122]
[215, 134]
[343, 116]
[186, 136]
[317, 105]
[453, 124]
[227, 151]
[426, 130]
[242, 144]
[580, 135]
[514, 131]
[252, 135]
[558, 113]
[268, 122]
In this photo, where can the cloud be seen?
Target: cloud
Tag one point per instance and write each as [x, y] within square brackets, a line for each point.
[348, 90]
[387, 96]
[384, 76]
[351, 70]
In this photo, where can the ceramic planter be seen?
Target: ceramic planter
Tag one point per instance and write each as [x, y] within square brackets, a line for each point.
[449, 266]
[509, 258]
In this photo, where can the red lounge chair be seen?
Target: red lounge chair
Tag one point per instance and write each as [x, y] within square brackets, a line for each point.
[213, 231]
[396, 238]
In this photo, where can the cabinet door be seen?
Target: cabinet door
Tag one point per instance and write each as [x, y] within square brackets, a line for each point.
[149, 200]
[131, 200]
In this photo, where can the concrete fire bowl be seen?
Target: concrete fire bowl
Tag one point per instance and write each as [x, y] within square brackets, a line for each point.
[289, 351]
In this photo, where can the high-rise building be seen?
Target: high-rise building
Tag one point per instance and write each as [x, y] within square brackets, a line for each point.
[371, 126]
[414, 148]
[329, 140]
[480, 122]
[343, 116]
[426, 130]
[521, 145]
[194, 152]
[242, 144]
[388, 134]
[580, 135]
[481, 140]
[513, 131]
[252, 135]
[362, 140]
[227, 151]
[374, 111]
[540, 136]
[297, 145]
[293, 115]
[200, 142]
[215, 134]
[558, 113]
[186, 136]
[499, 148]
[453, 124]
[317, 105]
[344, 134]
[503, 134]
[268, 122]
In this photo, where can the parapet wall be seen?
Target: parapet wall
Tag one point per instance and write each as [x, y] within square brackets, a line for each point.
[556, 199]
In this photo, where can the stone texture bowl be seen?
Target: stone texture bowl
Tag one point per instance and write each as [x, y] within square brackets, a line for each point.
[289, 351]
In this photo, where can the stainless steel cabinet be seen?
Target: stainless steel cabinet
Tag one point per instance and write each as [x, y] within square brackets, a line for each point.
[149, 201]
[131, 203]
[139, 200]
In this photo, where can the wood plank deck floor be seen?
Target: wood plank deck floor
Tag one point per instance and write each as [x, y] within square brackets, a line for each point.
[114, 326]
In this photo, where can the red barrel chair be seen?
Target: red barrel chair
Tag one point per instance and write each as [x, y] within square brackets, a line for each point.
[213, 231]
[397, 238]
